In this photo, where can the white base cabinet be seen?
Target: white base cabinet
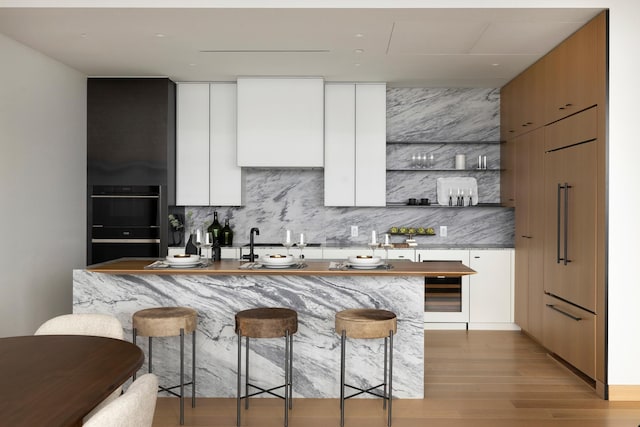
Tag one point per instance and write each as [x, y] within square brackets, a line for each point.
[355, 145]
[206, 169]
[491, 289]
[487, 296]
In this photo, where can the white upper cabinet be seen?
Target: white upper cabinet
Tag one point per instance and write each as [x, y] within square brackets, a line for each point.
[192, 144]
[206, 169]
[355, 145]
[280, 122]
[340, 145]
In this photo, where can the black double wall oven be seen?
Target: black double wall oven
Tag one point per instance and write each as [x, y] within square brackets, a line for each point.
[125, 222]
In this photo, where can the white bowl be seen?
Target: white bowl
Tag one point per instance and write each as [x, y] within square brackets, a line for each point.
[277, 259]
[364, 259]
[183, 259]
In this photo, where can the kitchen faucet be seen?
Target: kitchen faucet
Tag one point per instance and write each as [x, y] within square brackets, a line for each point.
[255, 230]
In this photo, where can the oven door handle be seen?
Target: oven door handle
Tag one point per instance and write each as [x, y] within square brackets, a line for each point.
[125, 240]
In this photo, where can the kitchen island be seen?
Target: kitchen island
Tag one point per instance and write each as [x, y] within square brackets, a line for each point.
[316, 292]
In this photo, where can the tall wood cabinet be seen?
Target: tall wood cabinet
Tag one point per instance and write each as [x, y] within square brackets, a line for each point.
[529, 233]
[554, 136]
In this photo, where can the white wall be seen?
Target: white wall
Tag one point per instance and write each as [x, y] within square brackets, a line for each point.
[42, 186]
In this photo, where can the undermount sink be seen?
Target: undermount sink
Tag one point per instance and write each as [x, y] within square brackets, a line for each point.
[266, 245]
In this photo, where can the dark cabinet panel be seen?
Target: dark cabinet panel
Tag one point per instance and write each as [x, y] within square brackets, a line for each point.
[131, 133]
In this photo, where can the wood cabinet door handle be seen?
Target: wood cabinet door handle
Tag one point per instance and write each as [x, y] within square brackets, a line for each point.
[553, 307]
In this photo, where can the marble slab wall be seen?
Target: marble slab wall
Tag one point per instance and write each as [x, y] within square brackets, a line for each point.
[279, 199]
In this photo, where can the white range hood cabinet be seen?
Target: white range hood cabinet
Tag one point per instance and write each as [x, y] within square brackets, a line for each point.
[280, 122]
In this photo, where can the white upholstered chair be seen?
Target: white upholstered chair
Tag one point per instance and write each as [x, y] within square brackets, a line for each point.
[99, 325]
[135, 408]
[93, 324]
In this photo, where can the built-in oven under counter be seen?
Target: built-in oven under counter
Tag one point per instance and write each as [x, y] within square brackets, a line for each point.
[125, 222]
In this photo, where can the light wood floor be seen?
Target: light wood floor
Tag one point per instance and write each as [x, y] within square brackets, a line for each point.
[475, 378]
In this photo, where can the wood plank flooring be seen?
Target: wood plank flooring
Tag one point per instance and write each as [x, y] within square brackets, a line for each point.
[474, 378]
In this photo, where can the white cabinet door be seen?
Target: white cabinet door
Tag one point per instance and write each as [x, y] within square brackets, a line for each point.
[491, 289]
[280, 122]
[371, 144]
[206, 169]
[192, 144]
[355, 145]
[225, 176]
[340, 145]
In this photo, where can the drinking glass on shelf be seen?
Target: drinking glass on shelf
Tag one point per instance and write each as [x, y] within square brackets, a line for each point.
[302, 243]
[287, 243]
[431, 160]
[423, 160]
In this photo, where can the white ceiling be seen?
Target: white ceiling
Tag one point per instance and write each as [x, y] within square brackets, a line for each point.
[404, 47]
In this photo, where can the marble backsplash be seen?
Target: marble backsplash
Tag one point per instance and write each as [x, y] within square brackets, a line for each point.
[280, 199]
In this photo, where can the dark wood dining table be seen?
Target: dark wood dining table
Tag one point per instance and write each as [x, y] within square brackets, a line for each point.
[55, 380]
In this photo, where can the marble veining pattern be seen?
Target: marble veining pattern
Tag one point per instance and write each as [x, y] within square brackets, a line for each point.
[316, 345]
[277, 199]
[443, 114]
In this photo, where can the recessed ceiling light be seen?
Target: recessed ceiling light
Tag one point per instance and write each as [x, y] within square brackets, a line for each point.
[160, 35]
[193, 64]
[495, 65]
[83, 35]
[359, 51]
[359, 35]
[356, 65]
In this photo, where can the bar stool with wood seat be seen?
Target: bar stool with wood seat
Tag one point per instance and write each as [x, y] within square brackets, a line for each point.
[266, 322]
[366, 323]
[170, 322]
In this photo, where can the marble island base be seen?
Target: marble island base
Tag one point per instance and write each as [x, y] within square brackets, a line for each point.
[316, 369]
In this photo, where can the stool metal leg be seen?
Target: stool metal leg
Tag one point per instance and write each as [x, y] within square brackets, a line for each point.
[246, 374]
[181, 376]
[290, 371]
[286, 379]
[342, 368]
[193, 371]
[390, 376]
[135, 334]
[150, 354]
[384, 393]
[239, 379]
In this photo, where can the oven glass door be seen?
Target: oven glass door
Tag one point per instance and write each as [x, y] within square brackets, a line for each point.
[126, 211]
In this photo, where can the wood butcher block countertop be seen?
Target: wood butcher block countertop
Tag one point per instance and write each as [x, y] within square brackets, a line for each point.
[312, 268]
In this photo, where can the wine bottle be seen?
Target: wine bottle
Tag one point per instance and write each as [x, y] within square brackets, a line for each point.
[216, 254]
[227, 234]
[215, 228]
[190, 248]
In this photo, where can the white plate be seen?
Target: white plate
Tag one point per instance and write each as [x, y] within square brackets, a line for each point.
[364, 260]
[366, 266]
[184, 265]
[183, 260]
[277, 260]
[277, 265]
